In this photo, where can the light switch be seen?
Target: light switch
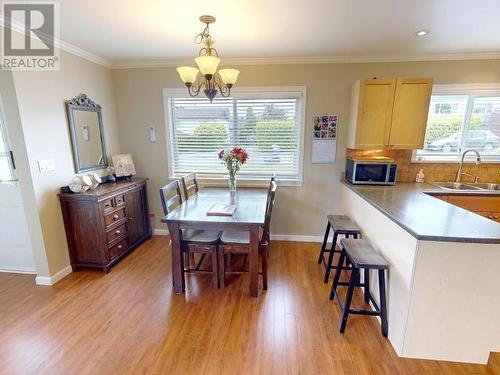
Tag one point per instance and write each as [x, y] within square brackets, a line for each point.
[152, 133]
[46, 165]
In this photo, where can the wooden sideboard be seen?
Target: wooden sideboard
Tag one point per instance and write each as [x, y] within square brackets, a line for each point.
[105, 224]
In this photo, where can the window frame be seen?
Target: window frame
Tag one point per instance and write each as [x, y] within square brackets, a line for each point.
[470, 90]
[299, 92]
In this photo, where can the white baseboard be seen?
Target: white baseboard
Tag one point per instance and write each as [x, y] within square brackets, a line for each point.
[296, 238]
[51, 280]
[276, 237]
[24, 270]
[160, 232]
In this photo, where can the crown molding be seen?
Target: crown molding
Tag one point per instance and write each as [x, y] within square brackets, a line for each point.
[64, 46]
[168, 63]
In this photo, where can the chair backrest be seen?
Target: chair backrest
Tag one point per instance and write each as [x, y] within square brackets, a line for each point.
[171, 197]
[190, 185]
[269, 209]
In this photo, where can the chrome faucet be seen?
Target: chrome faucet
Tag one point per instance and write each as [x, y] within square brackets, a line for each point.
[460, 173]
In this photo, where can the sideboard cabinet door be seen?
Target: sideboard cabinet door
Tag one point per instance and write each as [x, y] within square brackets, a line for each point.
[135, 203]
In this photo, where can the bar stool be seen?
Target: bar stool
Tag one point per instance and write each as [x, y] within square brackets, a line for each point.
[364, 257]
[343, 225]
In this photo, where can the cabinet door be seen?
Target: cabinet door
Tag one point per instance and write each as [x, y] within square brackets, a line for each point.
[376, 99]
[409, 117]
[136, 209]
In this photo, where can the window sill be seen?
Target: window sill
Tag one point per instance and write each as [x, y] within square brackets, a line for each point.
[242, 182]
[452, 159]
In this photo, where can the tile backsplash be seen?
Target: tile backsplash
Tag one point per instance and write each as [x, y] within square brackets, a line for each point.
[433, 171]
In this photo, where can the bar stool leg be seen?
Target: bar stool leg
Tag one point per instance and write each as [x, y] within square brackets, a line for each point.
[336, 279]
[383, 308]
[325, 240]
[367, 284]
[330, 258]
[347, 306]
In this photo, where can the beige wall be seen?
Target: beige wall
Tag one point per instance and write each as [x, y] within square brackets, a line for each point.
[299, 210]
[41, 97]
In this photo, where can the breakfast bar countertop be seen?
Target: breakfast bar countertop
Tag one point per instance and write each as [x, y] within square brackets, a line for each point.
[426, 217]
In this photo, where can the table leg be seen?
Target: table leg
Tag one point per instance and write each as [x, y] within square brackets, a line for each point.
[177, 258]
[254, 261]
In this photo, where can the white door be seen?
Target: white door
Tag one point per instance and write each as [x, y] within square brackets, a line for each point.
[16, 252]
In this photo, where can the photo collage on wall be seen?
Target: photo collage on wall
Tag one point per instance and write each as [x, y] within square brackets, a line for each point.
[325, 127]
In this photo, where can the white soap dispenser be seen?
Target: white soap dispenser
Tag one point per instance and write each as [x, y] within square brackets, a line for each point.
[420, 176]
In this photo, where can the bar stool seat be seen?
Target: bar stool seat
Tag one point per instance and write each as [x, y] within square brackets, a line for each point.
[362, 256]
[341, 225]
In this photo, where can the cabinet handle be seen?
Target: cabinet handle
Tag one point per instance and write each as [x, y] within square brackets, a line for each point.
[119, 247]
[115, 217]
[118, 231]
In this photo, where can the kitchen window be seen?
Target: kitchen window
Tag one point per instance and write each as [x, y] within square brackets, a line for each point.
[462, 117]
[267, 122]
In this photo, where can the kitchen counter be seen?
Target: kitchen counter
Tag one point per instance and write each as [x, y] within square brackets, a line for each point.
[443, 283]
[427, 218]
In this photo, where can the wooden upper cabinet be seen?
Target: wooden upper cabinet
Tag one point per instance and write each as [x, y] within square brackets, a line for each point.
[373, 112]
[409, 115]
[389, 113]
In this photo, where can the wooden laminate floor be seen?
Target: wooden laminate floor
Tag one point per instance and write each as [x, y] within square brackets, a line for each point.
[130, 322]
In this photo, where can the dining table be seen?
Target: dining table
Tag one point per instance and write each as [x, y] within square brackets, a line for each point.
[192, 214]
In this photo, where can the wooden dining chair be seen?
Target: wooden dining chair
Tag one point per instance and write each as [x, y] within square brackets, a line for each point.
[194, 241]
[232, 242]
[190, 184]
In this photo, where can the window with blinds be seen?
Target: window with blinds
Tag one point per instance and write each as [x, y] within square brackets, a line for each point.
[269, 128]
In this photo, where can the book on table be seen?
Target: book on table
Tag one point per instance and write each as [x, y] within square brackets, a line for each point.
[222, 210]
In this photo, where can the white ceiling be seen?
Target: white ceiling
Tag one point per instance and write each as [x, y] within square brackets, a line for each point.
[123, 30]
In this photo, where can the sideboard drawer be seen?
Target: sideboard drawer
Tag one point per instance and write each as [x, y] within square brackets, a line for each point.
[117, 232]
[118, 248]
[107, 204]
[119, 200]
[113, 217]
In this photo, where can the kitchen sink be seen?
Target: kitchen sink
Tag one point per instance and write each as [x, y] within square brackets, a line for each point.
[456, 186]
[486, 186]
[469, 186]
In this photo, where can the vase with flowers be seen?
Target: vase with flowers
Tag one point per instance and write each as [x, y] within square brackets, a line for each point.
[233, 160]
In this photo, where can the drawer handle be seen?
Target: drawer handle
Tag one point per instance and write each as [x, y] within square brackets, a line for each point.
[118, 231]
[119, 247]
[116, 217]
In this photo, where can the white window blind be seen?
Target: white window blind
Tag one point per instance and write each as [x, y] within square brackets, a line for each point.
[269, 128]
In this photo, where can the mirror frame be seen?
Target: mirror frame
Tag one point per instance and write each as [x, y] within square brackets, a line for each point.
[84, 103]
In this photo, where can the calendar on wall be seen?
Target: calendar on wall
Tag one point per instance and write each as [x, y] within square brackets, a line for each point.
[324, 141]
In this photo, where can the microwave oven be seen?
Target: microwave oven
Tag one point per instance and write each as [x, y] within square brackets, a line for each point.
[381, 171]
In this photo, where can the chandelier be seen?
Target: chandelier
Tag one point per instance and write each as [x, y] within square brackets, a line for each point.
[210, 80]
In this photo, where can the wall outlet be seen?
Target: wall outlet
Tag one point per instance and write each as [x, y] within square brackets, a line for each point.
[46, 165]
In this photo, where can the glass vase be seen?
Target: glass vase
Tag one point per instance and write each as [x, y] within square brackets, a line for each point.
[232, 183]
